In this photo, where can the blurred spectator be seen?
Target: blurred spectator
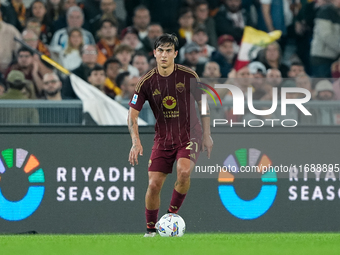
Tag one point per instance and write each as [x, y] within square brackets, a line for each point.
[325, 44]
[32, 68]
[97, 77]
[324, 90]
[130, 6]
[141, 21]
[200, 37]
[243, 79]
[231, 19]
[225, 55]
[304, 81]
[164, 12]
[295, 69]
[274, 77]
[276, 15]
[335, 69]
[289, 83]
[108, 37]
[211, 70]
[239, 78]
[75, 19]
[111, 68]
[304, 26]
[35, 25]
[140, 61]
[9, 14]
[186, 24]
[52, 92]
[128, 84]
[3, 87]
[271, 57]
[107, 11]
[92, 9]
[55, 9]
[191, 55]
[89, 56]
[15, 13]
[61, 22]
[130, 37]
[201, 13]
[31, 38]
[122, 81]
[124, 55]
[16, 83]
[52, 87]
[70, 58]
[8, 46]
[154, 31]
[258, 72]
[38, 11]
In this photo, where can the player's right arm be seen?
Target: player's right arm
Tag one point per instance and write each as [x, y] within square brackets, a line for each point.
[136, 104]
[136, 148]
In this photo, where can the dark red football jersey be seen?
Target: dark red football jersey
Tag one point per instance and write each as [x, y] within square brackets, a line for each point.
[172, 100]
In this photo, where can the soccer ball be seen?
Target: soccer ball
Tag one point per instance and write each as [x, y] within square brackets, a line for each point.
[171, 224]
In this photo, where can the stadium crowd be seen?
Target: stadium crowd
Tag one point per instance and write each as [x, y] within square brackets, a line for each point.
[89, 39]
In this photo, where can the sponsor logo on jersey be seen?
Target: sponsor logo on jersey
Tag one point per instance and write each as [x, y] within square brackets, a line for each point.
[134, 99]
[169, 102]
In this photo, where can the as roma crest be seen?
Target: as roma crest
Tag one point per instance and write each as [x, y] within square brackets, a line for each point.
[180, 87]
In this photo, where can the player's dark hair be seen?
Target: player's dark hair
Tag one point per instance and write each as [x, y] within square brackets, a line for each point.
[110, 61]
[120, 78]
[25, 49]
[97, 67]
[166, 40]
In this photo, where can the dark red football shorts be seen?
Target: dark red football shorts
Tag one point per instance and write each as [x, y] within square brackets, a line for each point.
[163, 160]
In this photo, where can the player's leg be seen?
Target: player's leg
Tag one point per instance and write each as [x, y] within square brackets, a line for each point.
[152, 198]
[182, 184]
[160, 165]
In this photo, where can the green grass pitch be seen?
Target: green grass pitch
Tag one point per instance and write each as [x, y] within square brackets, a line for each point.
[208, 244]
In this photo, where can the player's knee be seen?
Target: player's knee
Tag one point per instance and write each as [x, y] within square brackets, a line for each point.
[154, 187]
[183, 175]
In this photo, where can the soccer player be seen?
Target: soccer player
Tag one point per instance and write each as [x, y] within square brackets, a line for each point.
[178, 134]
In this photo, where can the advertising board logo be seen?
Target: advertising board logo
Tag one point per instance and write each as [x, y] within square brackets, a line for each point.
[15, 163]
[247, 209]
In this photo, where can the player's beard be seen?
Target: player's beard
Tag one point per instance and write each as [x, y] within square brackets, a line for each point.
[52, 93]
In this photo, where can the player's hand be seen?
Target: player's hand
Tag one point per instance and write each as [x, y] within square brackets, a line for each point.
[207, 144]
[136, 149]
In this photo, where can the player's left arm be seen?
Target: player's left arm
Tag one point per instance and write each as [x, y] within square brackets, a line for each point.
[207, 142]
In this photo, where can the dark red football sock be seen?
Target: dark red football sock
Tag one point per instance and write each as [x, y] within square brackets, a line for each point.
[176, 201]
[151, 217]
